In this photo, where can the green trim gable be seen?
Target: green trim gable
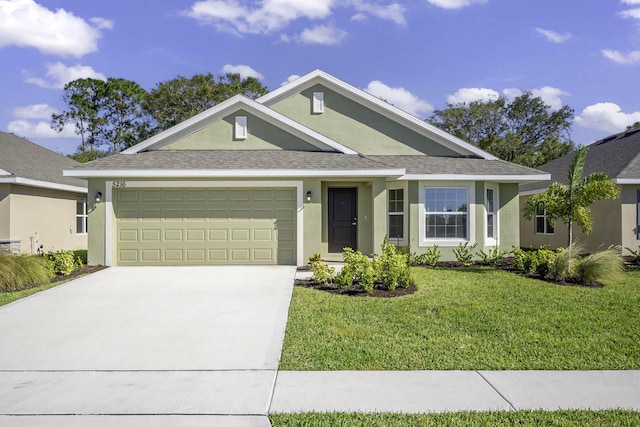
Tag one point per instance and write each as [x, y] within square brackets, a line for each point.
[356, 126]
[261, 135]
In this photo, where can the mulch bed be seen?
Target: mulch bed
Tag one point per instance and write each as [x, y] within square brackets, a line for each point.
[354, 291]
[87, 269]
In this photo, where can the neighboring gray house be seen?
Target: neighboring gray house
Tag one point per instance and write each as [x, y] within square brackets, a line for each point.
[616, 222]
[39, 206]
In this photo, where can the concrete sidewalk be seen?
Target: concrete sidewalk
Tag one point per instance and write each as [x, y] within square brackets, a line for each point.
[445, 391]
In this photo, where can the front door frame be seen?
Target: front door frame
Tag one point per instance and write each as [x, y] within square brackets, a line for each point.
[338, 247]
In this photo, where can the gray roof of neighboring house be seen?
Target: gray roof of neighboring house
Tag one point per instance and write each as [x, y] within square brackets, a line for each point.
[302, 160]
[24, 159]
[617, 156]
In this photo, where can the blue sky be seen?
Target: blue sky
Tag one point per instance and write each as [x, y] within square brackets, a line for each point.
[416, 54]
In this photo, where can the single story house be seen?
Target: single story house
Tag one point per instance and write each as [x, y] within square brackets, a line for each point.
[616, 222]
[312, 167]
[39, 207]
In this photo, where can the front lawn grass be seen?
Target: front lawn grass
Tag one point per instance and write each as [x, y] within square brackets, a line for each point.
[462, 419]
[469, 320]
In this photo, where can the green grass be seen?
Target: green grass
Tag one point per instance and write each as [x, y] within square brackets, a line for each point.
[8, 297]
[462, 419]
[468, 319]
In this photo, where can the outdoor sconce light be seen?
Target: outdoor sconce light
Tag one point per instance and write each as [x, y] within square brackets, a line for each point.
[309, 196]
[98, 197]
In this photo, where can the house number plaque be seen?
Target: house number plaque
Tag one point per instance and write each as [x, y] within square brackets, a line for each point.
[119, 184]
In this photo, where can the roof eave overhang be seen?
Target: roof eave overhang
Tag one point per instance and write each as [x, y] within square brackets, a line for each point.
[42, 184]
[476, 177]
[232, 173]
[627, 180]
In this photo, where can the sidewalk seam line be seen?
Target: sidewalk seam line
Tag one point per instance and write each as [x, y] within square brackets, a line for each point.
[496, 390]
[273, 391]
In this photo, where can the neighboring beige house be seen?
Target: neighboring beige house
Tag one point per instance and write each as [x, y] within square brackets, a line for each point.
[312, 167]
[616, 222]
[39, 208]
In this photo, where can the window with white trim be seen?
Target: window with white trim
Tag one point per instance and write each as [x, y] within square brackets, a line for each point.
[543, 226]
[446, 213]
[318, 103]
[396, 214]
[490, 206]
[240, 128]
[82, 218]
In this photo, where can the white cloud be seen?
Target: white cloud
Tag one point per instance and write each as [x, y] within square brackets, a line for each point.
[25, 23]
[103, 24]
[244, 71]
[291, 78]
[274, 15]
[393, 12]
[511, 93]
[619, 57]
[467, 95]
[38, 129]
[554, 37]
[323, 34]
[35, 111]
[454, 4]
[399, 97]
[606, 116]
[552, 96]
[59, 74]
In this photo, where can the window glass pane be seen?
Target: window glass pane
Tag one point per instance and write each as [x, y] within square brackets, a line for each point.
[80, 225]
[489, 200]
[490, 226]
[80, 207]
[396, 230]
[549, 227]
[540, 221]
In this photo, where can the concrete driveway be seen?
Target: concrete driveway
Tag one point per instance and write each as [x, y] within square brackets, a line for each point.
[147, 340]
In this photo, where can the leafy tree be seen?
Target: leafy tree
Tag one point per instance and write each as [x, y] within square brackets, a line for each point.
[83, 155]
[176, 100]
[636, 125]
[571, 203]
[523, 131]
[104, 113]
[83, 97]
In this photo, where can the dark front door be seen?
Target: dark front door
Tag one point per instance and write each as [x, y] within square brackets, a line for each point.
[343, 219]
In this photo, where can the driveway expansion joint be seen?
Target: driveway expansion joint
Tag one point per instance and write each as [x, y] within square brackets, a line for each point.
[513, 408]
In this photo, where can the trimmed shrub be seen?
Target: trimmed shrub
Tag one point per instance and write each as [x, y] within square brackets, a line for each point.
[392, 267]
[601, 265]
[492, 257]
[18, 272]
[464, 253]
[63, 262]
[357, 269]
[323, 273]
[432, 256]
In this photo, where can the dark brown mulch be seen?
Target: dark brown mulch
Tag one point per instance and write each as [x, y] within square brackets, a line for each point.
[87, 269]
[378, 289]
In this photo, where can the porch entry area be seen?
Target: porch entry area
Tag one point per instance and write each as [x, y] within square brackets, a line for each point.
[342, 218]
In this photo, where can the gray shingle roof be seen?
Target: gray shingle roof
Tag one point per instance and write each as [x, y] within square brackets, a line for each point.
[617, 156]
[24, 159]
[454, 165]
[302, 160]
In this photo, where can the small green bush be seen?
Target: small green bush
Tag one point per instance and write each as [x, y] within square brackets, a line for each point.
[541, 262]
[81, 255]
[323, 273]
[63, 262]
[18, 272]
[314, 258]
[601, 265]
[432, 256]
[635, 254]
[464, 253]
[493, 256]
[392, 268]
[357, 269]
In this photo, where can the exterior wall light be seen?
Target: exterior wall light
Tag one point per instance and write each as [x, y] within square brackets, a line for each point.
[98, 196]
[309, 196]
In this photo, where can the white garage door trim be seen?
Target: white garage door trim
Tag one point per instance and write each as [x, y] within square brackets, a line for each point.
[110, 214]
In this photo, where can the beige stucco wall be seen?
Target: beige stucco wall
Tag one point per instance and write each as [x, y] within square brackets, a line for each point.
[357, 127]
[5, 218]
[607, 229]
[629, 217]
[261, 135]
[44, 217]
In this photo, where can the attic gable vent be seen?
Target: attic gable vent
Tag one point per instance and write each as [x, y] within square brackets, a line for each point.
[318, 103]
[240, 128]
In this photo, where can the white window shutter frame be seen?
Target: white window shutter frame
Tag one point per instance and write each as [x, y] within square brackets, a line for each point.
[240, 129]
[318, 102]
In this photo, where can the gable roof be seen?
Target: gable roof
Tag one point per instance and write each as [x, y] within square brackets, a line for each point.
[376, 104]
[618, 156]
[25, 163]
[225, 108]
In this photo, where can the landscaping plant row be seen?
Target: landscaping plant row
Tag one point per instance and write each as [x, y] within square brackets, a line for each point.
[18, 272]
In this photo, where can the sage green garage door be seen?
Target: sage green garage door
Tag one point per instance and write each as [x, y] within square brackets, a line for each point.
[198, 226]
